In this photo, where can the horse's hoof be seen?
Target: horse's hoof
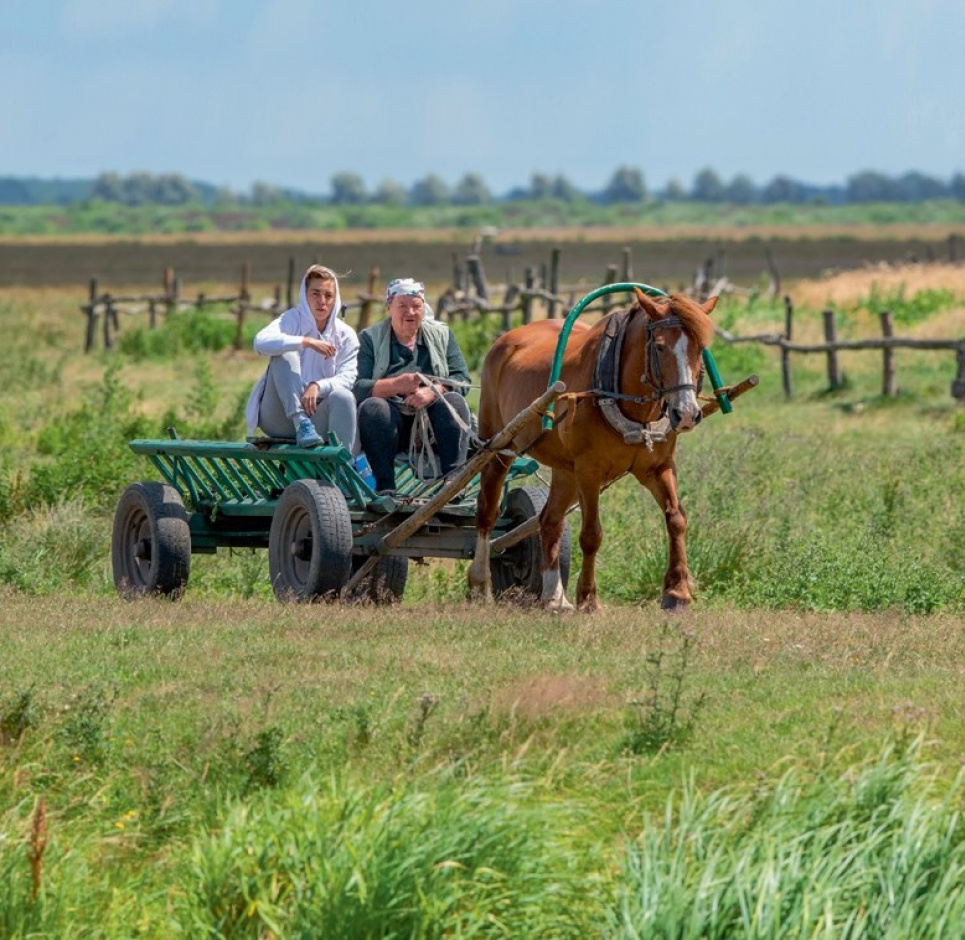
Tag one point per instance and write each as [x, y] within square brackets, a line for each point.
[590, 607]
[674, 605]
[562, 606]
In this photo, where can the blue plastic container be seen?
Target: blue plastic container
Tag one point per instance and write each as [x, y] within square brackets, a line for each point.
[363, 469]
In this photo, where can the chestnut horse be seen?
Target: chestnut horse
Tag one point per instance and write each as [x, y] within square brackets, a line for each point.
[656, 376]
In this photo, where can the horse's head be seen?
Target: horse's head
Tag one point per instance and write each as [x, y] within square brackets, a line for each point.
[677, 330]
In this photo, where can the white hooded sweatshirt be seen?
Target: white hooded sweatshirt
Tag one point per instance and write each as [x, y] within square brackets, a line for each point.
[284, 334]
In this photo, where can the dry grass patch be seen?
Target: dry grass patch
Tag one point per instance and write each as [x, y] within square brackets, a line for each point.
[850, 287]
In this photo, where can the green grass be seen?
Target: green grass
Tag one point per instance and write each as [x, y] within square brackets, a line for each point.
[784, 761]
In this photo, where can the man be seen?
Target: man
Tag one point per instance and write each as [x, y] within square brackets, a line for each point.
[409, 364]
[307, 387]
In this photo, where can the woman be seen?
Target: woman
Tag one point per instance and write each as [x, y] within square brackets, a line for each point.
[409, 363]
[312, 366]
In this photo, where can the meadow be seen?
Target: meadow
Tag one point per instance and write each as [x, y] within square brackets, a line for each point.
[786, 760]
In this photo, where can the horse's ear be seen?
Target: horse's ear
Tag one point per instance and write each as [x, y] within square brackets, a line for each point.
[710, 303]
[647, 305]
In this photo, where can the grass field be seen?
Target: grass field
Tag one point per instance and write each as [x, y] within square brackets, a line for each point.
[783, 761]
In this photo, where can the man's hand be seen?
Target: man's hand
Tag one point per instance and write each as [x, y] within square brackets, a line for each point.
[310, 399]
[319, 345]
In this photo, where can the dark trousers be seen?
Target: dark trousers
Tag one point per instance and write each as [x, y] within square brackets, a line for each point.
[384, 431]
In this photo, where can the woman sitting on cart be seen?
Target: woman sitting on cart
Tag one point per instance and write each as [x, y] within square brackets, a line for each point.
[306, 391]
[410, 363]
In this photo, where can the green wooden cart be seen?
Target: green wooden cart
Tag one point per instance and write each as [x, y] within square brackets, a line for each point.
[328, 534]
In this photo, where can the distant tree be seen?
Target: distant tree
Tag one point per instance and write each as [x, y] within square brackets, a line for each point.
[707, 187]
[917, 187]
[139, 189]
[870, 186]
[225, 196]
[430, 191]
[741, 190]
[540, 186]
[957, 187]
[674, 191]
[471, 191]
[108, 187]
[626, 185]
[13, 192]
[564, 190]
[264, 194]
[783, 189]
[172, 189]
[348, 189]
[389, 193]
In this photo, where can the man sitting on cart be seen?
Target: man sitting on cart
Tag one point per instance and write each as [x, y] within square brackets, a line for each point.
[307, 387]
[411, 372]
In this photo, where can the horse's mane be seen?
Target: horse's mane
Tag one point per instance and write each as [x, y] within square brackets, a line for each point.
[696, 323]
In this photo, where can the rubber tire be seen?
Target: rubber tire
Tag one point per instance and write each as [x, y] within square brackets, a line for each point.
[150, 542]
[520, 569]
[386, 583]
[314, 515]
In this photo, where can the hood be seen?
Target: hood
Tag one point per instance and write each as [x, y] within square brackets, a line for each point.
[306, 311]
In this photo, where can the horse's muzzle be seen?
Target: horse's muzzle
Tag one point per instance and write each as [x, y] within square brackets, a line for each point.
[685, 420]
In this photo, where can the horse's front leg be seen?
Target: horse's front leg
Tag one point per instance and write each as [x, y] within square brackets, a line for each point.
[487, 511]
[677, 582]
[552, 521]
[591, 538]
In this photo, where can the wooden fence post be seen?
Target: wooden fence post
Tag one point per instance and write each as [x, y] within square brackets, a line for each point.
[475, 267]
[509, 301]
[627, 266]
[958, 386]
[775, 288]
[290, 284]
[110, 318]
[889, 386]
[91, 310]
[835, 380]
[170, 293]
[368, 301]
[609, 278]
[554, 284]
[244, 296]
[529, 283]
[785, 352]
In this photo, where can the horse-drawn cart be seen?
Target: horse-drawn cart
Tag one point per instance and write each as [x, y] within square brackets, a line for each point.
[326, 531]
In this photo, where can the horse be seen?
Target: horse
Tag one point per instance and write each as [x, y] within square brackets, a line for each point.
[655, 354]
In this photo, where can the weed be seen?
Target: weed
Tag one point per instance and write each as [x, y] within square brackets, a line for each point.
[264, 760]
[18, 714]
[426, 706]
[665, 718]
[85, 731]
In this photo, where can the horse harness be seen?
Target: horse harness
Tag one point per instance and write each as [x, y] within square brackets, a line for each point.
[606, 380]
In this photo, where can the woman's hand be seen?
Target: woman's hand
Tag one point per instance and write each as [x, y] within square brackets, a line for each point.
[422, 397]
[319, 345]
[310, 398]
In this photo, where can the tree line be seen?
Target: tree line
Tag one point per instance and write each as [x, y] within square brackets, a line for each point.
[626, 185]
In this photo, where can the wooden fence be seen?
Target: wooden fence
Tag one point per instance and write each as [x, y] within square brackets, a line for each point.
[541, 292]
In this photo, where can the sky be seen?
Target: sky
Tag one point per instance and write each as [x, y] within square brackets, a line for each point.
[292, 92]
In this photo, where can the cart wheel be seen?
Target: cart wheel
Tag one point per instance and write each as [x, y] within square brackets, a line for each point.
[309, 542]
[521, 567]
[386, 583]
[151, 543]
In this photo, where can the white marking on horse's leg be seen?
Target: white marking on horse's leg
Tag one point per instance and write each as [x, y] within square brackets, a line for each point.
[553, 596]
[480, 578]
[685, 399]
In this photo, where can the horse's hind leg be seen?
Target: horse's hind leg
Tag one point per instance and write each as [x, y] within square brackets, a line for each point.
[552, 521]
[677, 583]
[487, 511]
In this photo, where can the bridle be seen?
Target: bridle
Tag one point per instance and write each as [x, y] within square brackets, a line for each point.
[651, 363]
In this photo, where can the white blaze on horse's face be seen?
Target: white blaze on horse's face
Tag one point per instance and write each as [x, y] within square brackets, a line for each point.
[682, 404]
